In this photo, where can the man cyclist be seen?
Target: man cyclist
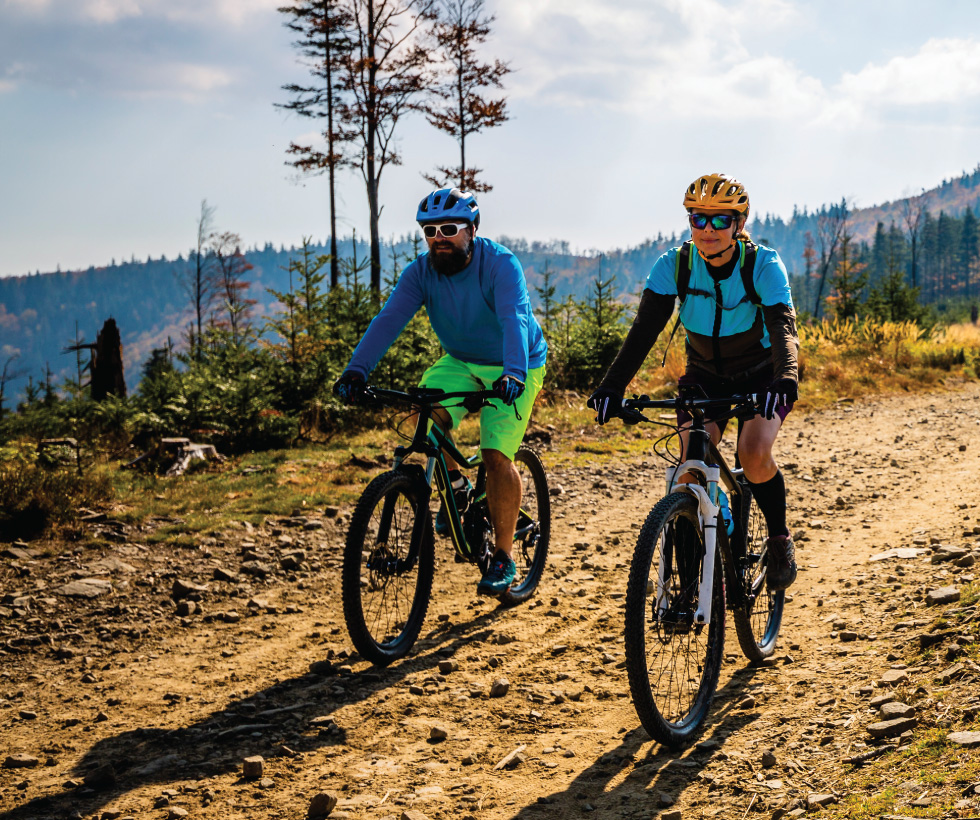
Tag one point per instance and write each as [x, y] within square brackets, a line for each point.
[478, 304]
[737, 310]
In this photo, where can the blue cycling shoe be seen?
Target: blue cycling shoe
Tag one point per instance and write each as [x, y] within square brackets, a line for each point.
[499, 576]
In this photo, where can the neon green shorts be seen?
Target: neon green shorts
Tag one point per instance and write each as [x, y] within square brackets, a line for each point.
[500, 429]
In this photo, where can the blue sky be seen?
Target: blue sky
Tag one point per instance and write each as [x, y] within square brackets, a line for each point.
[120, 116]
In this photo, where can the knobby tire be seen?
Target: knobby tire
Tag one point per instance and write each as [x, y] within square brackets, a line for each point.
[531, 550]
[757, 623]
[672, 664]
[389, 560]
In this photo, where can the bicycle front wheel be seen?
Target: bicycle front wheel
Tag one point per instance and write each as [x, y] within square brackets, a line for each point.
[757, 623]
[389, 559]
[673, 663]
[533, 536]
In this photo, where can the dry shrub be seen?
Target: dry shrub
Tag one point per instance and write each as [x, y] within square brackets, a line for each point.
[34, 498]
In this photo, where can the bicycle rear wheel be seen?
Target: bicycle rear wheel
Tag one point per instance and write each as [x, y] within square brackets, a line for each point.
[533, 535]
[673, 664]
[757, 623]
[389, 559]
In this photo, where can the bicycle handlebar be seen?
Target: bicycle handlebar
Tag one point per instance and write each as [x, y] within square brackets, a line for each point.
[630, 412]
[425, 397]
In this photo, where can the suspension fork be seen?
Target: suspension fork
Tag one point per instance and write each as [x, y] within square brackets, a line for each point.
[708, 510]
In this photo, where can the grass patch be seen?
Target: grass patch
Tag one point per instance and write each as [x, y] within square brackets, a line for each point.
[869, 807]
[930, 763]
[34, 498]
[838, 360]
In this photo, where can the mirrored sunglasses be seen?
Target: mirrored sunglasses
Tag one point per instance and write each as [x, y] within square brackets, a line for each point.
[718, 221]
[448, 229]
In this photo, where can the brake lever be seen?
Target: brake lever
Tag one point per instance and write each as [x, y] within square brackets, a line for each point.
[749, 410]
[474, 403]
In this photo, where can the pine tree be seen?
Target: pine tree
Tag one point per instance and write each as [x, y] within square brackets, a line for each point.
[463, 108]
[848, 280]
[324, 31]
[385, 73]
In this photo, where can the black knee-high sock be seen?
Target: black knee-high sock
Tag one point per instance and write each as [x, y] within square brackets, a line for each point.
[771, 497]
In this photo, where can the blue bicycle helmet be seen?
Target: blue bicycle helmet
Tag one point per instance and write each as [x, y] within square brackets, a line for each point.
[448, 204]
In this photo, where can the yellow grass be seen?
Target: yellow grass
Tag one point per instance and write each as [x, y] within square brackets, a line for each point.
[850, 359]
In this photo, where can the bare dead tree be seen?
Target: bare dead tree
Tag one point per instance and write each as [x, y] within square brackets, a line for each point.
[463, 108]
[198, 277]
[105, 366]
[386, 74]
[231, 266]
[324, 41]
[830, 231]
[913, 209]
[7, 375]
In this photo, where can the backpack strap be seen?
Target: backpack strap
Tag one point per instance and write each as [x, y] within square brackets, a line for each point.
[746, 266]
[682, 279]
[682, 270]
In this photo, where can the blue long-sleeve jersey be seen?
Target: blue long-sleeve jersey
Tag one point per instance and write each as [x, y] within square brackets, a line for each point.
[482, 315]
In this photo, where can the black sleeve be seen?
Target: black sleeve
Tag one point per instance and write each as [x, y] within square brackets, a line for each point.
[652, 316]
[781, 323]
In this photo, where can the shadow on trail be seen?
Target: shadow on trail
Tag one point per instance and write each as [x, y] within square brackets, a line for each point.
[661, 770]
[278, 721]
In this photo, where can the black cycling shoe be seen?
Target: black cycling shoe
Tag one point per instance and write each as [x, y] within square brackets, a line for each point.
[781, 565]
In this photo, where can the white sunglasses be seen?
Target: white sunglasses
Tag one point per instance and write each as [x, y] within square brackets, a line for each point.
[447, 229]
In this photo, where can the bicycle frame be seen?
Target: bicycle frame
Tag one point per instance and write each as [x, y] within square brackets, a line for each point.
[706, 464]
[433, 442]
[430, 440]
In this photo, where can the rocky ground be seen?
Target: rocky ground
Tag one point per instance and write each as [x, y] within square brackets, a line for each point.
[218, 681]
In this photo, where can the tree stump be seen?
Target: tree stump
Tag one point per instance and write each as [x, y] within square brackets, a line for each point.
[178, 453]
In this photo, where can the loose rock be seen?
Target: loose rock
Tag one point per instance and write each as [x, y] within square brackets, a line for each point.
[20, 761]
[500, 687]
[943, 595]
[892, 728]
[321, 805]
[968, 739]
[894, 709]
[252, 767]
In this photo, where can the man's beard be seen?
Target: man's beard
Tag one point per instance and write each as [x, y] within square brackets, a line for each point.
[451, 262]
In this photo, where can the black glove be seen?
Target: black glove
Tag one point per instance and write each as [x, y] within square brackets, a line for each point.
[349, 388]
[781, 393]
[508, 389]
[606, 403]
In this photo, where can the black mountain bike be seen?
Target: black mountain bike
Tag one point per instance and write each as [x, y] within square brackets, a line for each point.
[389, 557]
[703, 539]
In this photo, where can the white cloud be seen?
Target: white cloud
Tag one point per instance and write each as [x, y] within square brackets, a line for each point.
[29, 6]
[106, 12]
[711, 61]
[942, 71]
[190, 82]
[200, 78]
[110, 11]
[680, 56]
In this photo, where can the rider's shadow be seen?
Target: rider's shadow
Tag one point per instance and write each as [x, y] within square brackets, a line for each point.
[662, 770]
[290, 716]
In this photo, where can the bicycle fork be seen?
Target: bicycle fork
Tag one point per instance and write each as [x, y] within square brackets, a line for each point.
[708, 512]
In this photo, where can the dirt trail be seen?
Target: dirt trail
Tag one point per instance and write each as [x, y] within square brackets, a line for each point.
[120, 708]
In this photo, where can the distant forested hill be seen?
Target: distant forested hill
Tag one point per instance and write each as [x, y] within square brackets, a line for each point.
[39, 313]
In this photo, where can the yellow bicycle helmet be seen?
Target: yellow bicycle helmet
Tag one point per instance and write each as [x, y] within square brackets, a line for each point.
[717, 192]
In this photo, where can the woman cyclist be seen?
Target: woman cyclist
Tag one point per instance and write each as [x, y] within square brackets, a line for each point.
[736, 308]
